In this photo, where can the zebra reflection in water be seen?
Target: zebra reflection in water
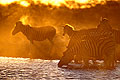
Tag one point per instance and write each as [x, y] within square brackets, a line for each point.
[36, 34]
[98, 43]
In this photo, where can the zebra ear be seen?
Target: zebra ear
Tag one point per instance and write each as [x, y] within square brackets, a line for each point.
[19, 22]
[63, 26]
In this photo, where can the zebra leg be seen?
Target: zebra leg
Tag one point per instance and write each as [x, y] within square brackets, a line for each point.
[106, 61]
[95, 64]
[52, 43]
[30, 49]
[112, 60]
[31, 41]
[51, 40]
[109, 61]
[86, 63]
[78, 59]
[52, 49]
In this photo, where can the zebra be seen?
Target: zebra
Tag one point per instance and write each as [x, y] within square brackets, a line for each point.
[68, 29]
[83, 48]
[89, 32]
[37, 34]
[116, 33]
[81, 34]
[97, 43]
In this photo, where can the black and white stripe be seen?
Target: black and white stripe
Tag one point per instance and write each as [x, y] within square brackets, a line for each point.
[97, 43]
[116, 34]
[37, 34]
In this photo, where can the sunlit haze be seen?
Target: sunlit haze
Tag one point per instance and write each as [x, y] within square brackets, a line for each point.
[57, 3]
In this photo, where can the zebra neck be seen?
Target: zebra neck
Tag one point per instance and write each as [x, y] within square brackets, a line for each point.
[26, 30]
[70, 32]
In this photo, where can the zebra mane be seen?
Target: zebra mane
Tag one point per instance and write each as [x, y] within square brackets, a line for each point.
[69, 26]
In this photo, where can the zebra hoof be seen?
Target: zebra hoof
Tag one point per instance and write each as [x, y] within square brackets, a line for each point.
[60, 64]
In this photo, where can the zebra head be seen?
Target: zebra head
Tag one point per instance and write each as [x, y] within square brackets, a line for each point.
[67, 58]
[104, 24]
[68, 29]
[17, 28]
[64, 61]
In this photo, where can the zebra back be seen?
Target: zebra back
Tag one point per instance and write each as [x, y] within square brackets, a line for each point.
[85, 34]
[39, 34]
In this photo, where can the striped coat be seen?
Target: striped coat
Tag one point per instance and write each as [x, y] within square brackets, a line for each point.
[90, 44]
[88, 32]
[37, 34]
[116, 34]
[117, 39]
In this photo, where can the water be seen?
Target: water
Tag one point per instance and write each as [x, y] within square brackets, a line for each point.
[37, 69]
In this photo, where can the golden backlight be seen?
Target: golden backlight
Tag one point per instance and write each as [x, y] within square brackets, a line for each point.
[82, 1]
[24, 3]
[57, 3]
[21, 2]
[24, 20]
[53, 2]
[4, 2]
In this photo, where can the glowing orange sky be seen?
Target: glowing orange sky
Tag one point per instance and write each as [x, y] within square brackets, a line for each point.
[21, 2]
[72, 4]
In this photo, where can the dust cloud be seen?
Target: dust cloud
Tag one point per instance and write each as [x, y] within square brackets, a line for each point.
[45, 15]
